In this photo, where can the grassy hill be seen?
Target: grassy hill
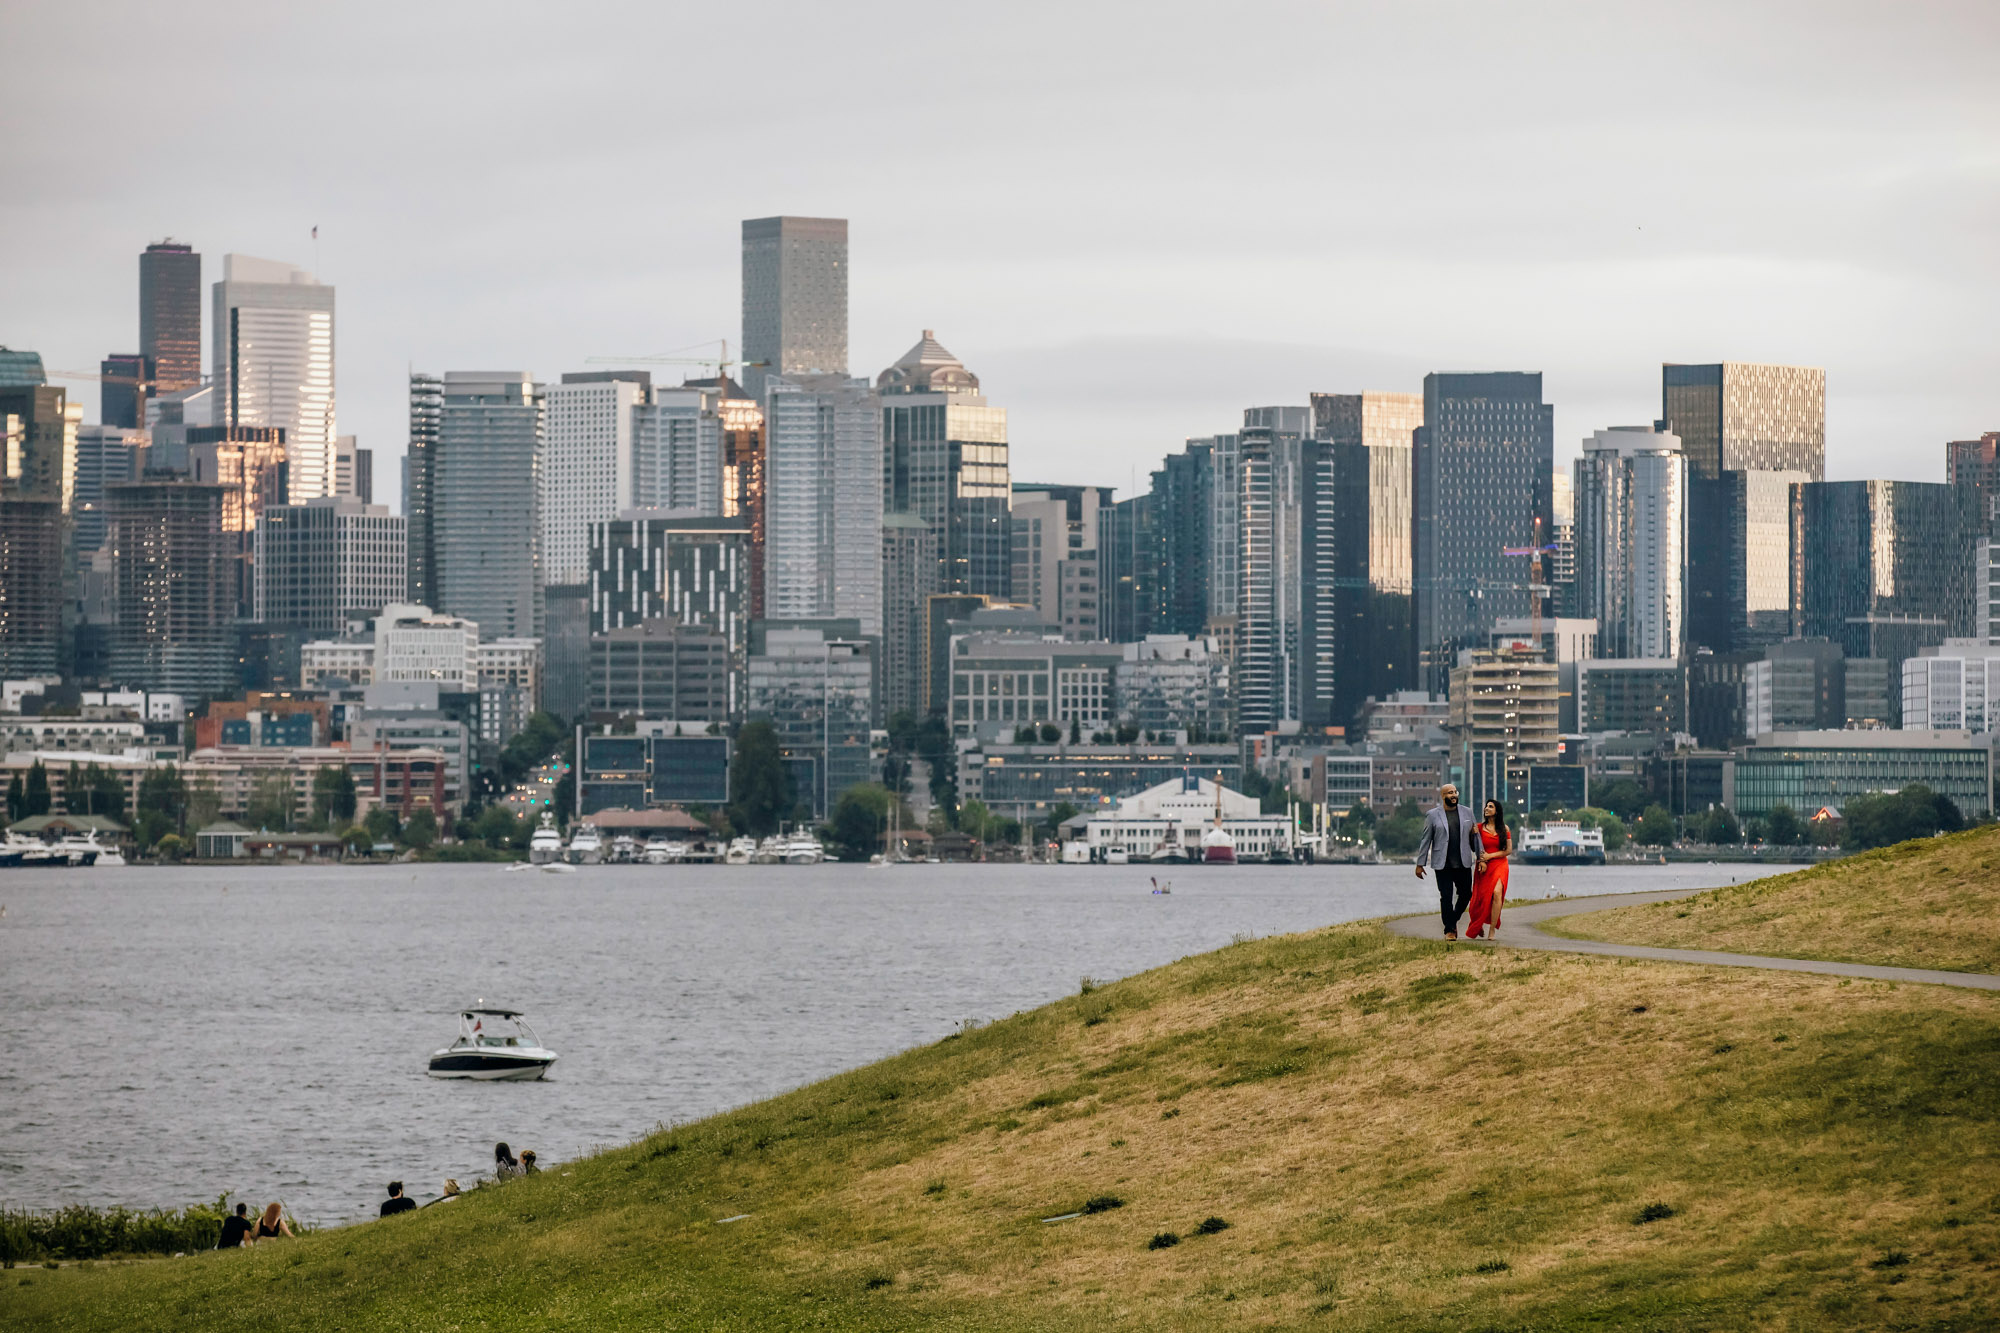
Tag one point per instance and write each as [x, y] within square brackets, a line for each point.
[1398, 1134]
[1932, 903]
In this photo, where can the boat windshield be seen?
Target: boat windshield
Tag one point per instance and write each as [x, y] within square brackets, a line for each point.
[490, 1029]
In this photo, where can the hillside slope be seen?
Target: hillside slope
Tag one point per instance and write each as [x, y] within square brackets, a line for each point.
[1399, 1135]
[1933, 903]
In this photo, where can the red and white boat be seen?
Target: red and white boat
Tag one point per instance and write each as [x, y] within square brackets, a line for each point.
[1218, 848]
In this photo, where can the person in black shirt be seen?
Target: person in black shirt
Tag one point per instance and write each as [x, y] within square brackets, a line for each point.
[234, 1229]
[396, 1203]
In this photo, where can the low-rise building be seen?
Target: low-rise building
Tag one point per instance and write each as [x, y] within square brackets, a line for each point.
[1632, 694]
[665, 763]
[1806, 770]
[1954, 687]
[1025, 782]
[1175, 815]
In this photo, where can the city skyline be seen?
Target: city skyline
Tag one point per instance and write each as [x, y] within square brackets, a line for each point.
[1859, 252]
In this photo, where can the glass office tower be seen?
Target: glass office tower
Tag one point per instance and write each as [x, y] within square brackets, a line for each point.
[944, 459]
[170, 315]
[1631, 501]
[273, 363]
[794, 298]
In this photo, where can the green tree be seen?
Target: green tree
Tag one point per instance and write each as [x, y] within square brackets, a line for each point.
[1402, 831]
[272, 803]
[421, 830]
[974, 819]
[498, 827]
[1051, 733]
[162, 806]
[540, 737]
[171, 847]
[1655, 827]
[382, 824]
[1720, 828]
[17, 799]
[36, 800]
[760, 786]
[94, 791]
[1887, 818]
[357, 841]
[1059, 814]
[1622, 797]
[333, 798]
[860, 818]
[1785, 828]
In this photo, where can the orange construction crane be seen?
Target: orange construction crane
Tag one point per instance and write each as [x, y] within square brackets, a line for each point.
[1536, 588]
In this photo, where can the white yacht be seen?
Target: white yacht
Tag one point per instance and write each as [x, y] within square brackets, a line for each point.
[769, 852]
[741, 852]
[624, 850]
[660, 852]
[586, 848]
[545, 844]
[803, 849]
[492, 1045]
[100, 855]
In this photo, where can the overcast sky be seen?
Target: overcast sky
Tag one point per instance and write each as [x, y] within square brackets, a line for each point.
[1130, 221]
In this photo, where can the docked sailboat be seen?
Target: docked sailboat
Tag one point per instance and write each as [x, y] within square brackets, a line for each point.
[493, 1045]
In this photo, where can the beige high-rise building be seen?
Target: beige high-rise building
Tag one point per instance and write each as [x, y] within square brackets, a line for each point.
[1735, 416]
[273, 363]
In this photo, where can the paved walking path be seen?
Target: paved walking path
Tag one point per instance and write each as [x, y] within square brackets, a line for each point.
[1520, 930]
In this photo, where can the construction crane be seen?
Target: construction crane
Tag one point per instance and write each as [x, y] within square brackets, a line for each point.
[1536, 588]
[721, 364]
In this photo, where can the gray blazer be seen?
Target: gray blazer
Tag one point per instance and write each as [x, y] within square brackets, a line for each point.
[1431, 850]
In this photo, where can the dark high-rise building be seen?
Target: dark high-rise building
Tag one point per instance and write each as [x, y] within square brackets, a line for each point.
[1482, 469]
[105, 456]
[37, 481]
[426, 412]
[566, 649]
[1130, 565]
[1737, 417]
[125, 383]
[689, 571]
[170, 316]
[1974, 465]
[175, 579]
[1184, 502]
[1884, 568]
[794, 298]
[1739, 577]
[1366, 584]
[944, 458]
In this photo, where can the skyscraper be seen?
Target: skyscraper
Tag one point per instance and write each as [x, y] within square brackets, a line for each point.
[353, 470]
[1276, 497]
[426, 412]
[1184, 488]
[910, 572]
[1735, 416]
[587, 465]
[125, 382]
[1631, 505]
[1057, 542]
[105, 456]
[677, 452]
[170, 315]
[176, 574]
[823, 500]
[326, 560]
[794, 298]
[1365, 590]
[273, 362]
[485, 502]
[1739, 580]
[945, 460]
[1482, 470]
[740, 460]
[1974, 465]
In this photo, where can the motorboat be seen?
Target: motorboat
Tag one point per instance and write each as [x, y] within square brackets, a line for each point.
[624, 850]
[493, 1045]
[741, 852]
[660, 852]
[803, 849]
[586, 848]
[102, 856]
[545, 844]
[769, 852]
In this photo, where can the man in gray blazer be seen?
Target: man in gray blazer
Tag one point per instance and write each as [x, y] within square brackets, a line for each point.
[1450, 846]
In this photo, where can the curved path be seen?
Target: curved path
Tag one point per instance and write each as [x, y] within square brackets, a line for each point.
[1520, 929]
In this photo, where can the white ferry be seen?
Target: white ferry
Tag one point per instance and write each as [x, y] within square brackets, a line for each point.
[1560, 843]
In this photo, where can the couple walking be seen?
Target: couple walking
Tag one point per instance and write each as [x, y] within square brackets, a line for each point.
[1470, 859]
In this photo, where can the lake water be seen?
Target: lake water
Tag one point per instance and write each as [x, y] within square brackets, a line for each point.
[172, 1033]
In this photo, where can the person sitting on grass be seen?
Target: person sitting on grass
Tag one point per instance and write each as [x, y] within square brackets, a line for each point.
[528, 1167]
[272, 1224]
[450, 1193]
[505, 1165]
[396, 1203]
[234, 1229]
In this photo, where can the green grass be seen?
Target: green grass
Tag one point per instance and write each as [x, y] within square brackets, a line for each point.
[1933, 903]
[83, 1232]
[1399, 1135]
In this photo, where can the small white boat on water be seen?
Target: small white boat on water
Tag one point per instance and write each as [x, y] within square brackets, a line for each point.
[586, 848]
[625, 850]
[803, 849]
[493, 1045]
[545, 844]
[660, 852]
[741, 852]
[769, 852]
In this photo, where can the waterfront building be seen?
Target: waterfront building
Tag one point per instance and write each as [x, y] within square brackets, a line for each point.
[400, 719]
[1953, 687]
[588, 469]
[272, 363]
[1482, 467]
[1631, 503]
[426, 413]
[1734, 416]
[677, 762]
[1632, 694]
[945, 461]
[677, 452]
[176, 574]
[660, 669]
[817, 693]
[170, 315]
[1502, 718]
[1808, 770]
[327, 561]
[823, 500]
[485, 501]
[1914, 588]
[1178, 813]
[794, 298]
[1026, 782]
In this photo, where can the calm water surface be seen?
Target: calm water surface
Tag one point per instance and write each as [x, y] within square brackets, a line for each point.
[172, 1033]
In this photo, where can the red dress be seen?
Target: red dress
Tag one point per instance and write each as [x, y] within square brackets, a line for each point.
[1489, 887]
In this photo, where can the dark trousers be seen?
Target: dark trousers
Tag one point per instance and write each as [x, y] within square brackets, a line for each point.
[1454, 894]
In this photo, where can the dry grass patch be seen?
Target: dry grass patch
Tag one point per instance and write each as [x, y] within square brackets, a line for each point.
[1934, 903]
[1398, 1134]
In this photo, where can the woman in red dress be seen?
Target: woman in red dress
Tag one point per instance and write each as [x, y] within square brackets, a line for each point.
[1489, 879]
